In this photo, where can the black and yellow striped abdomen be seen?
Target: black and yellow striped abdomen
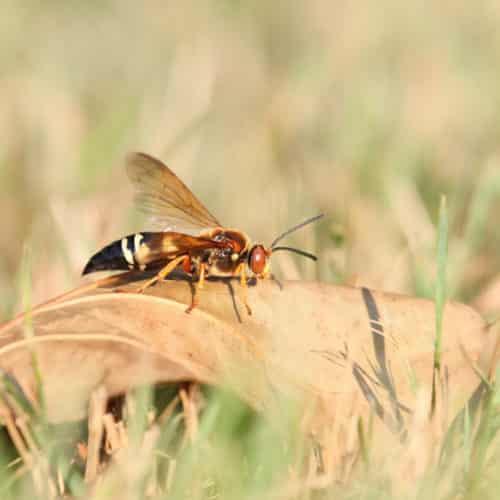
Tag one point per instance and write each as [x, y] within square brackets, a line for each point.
[120, 255]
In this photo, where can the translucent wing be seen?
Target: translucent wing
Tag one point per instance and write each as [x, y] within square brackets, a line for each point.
[165, 198]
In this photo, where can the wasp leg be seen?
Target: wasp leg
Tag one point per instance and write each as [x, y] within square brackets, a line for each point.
[163, 273]
[186, 265]
[243, 282]
[201, 279]
[199, 286]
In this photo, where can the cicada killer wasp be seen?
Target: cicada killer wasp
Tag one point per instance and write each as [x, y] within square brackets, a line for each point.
[191, 238]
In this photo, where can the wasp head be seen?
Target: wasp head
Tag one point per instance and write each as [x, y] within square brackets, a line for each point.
[258, 261]
[259, 256]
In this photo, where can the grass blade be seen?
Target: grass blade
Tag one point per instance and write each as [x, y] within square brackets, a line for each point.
[440, 293]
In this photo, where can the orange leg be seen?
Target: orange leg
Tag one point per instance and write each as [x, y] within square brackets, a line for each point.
[186, 265]
[163, 273]
[199, 286]
[243, 282]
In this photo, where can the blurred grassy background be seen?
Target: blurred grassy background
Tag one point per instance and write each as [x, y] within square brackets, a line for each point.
[271, 112]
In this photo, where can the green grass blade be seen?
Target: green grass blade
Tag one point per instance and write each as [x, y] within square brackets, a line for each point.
[440, 292]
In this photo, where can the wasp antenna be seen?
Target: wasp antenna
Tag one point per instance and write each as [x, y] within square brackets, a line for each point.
[297, 251]
[294, 228]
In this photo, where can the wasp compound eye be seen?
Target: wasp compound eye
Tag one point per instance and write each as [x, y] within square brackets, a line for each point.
[258, 258]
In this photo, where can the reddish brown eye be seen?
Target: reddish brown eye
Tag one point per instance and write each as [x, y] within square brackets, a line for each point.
[258, 259]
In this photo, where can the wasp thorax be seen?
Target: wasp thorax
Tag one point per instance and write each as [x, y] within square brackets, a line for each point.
[257, 259]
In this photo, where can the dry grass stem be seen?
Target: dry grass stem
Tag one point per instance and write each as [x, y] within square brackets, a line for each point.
[168, 411]
[97, 410]
[190, 412]
[115, 437]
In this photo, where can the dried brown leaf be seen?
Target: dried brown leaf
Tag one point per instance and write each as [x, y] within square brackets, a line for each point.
[341, 352]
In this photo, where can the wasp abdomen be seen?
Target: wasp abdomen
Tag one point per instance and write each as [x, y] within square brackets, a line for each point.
[119, 255]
